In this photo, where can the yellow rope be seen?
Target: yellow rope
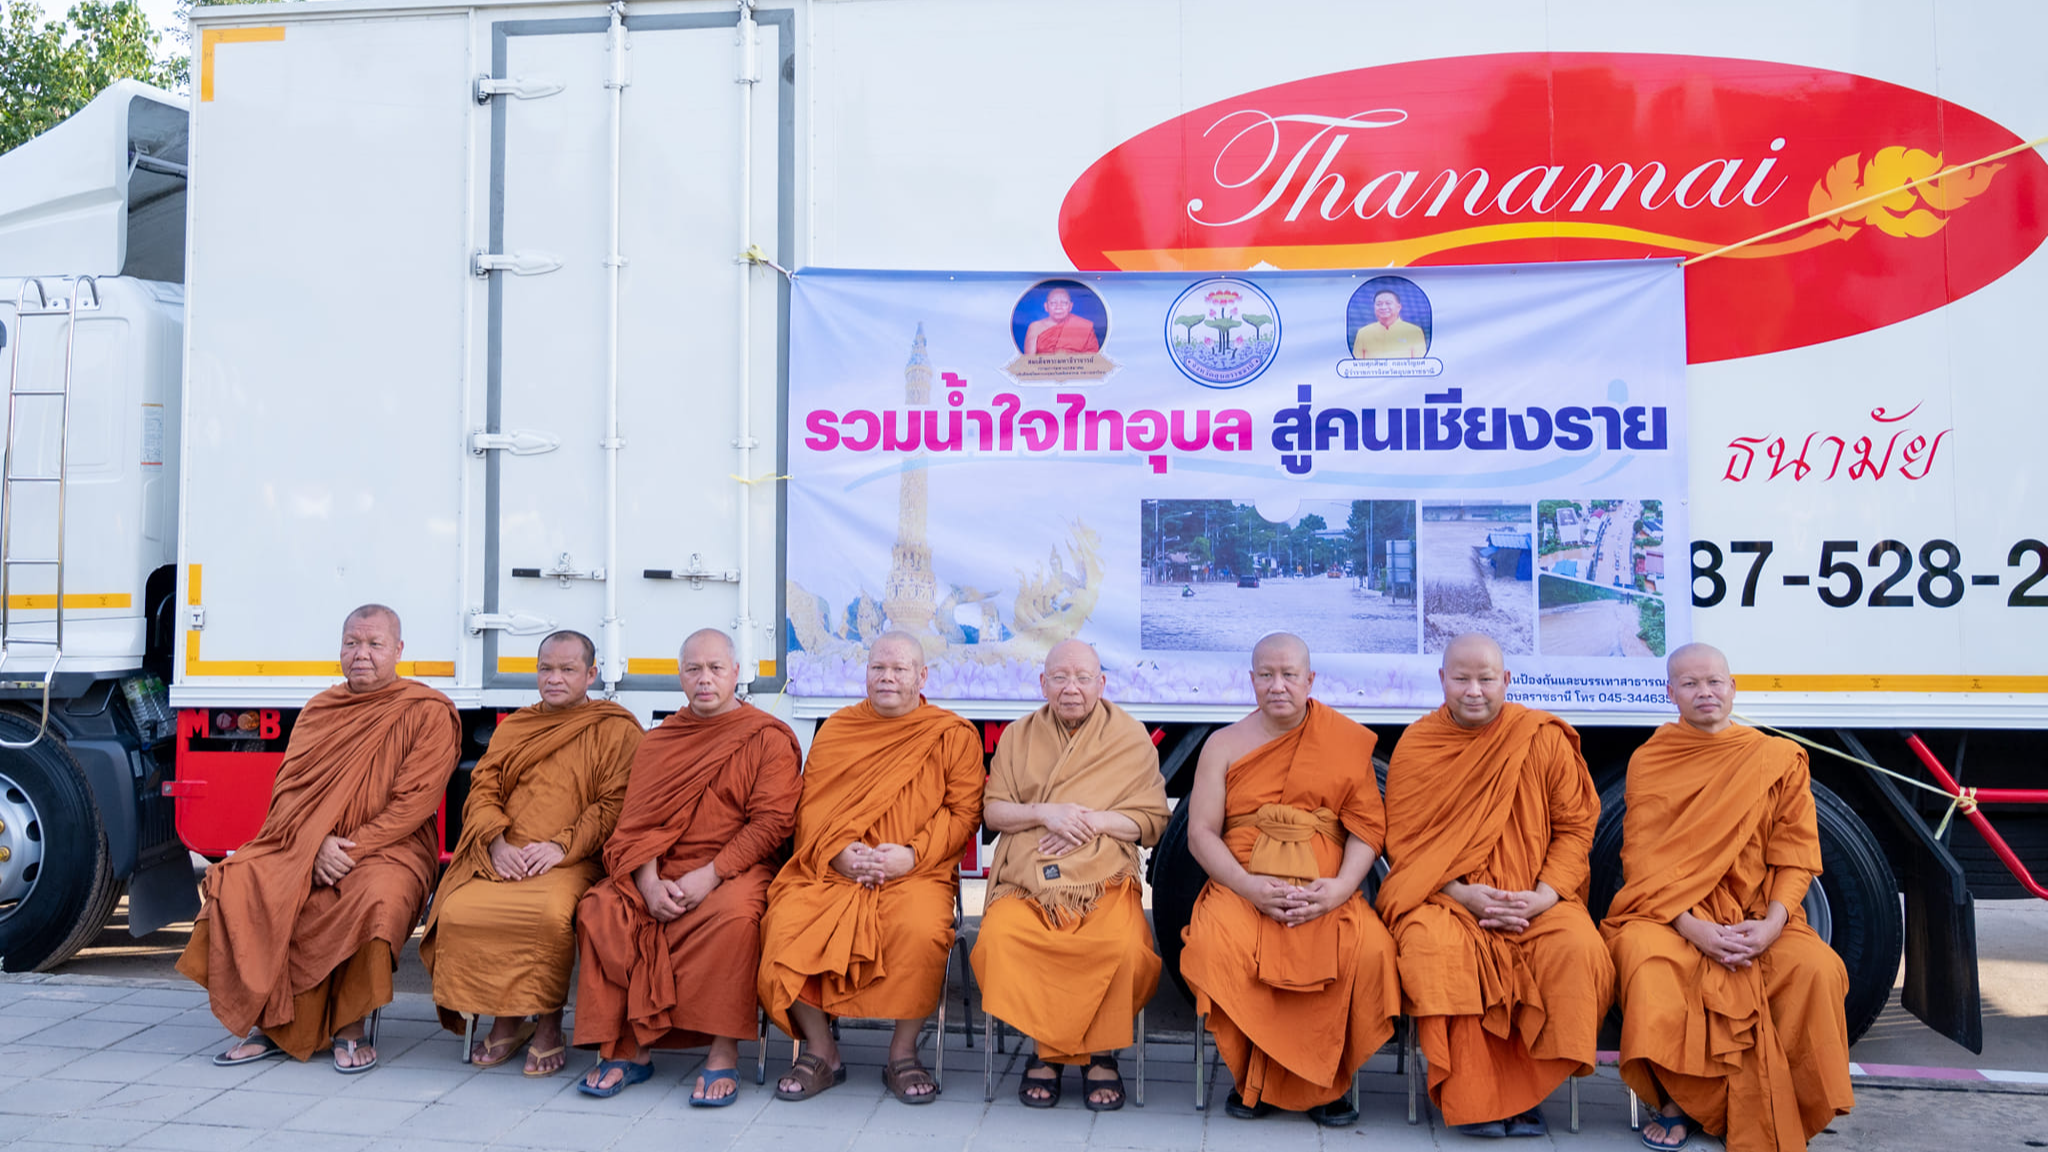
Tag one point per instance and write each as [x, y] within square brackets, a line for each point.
[763, 478]
[1965, 801]
[1866, 201]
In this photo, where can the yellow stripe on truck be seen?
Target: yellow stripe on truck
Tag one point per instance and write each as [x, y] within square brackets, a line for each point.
[72, 600]
[196, 665]
[1888, 683]
[213, 36]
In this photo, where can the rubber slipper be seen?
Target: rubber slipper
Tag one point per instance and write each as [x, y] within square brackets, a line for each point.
[1681, 1120]
[350, 1046]
[1530, 1123]
[1053, 1086]
[712, 1076]
[634, 1074]
[537, 1054]
[512, 1044]
[1115, 1084]
[270, 1049]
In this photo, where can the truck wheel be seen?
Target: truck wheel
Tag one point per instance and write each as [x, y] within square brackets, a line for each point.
[1177, 880]
[56, 889]
[1854, 906]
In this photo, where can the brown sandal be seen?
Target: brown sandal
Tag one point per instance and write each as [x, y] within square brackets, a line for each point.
[814, 1074]
[903, 1075]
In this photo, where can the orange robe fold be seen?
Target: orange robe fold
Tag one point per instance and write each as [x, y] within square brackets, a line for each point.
[1296, 1011]
[505, 948]
[1721, 825]
[1503, 1019]
[722, 791]
[368, 767]
[1074, 334]
[1068, 958]
[874, 952]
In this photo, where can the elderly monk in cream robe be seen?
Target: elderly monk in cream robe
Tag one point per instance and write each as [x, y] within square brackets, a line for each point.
[501, 937]
[1283, 953]
[1732, 1018]
[302, 926]
[1064, 954]
[1490, 818]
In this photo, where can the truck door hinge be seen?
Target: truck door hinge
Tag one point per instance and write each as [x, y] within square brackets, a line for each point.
[516, 623]
[523, 87]
[482, 263]
[518, 442]
[696, 573]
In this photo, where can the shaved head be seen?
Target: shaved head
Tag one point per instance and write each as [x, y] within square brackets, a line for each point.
[371, 612]
[1072, 681]
[569, 636]
[898, 636]
[708, 636]
[1282, 644]
[896, 674]
[1474, 645]
[1068, 653]
[1688, 654]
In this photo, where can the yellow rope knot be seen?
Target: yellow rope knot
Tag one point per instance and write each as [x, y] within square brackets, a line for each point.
[1965, 802]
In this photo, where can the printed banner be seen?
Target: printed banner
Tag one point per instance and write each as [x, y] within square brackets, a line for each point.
[1170, 466]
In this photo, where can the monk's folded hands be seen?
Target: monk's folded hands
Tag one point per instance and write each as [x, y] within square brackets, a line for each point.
[333, 861]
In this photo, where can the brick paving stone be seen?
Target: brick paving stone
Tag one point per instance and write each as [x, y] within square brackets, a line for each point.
[156, 1102]
[178, 1136]
[81, 1033]
[93, 1130]
[199, 1071]
[241, 1108]
[115, 1067]
[564, 1132]
[180, 998]
[180, 1039]
[132, 1013]
[470, 1124]
[52, 1097]
[353, 1116]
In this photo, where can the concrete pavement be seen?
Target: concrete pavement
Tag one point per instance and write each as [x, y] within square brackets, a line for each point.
[93, 1062]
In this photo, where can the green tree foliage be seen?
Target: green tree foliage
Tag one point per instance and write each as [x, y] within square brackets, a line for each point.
[52, 68]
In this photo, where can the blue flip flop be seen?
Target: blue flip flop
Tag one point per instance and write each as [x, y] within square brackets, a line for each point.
[713, 1076]
[635, 1074]
[1690, 1125]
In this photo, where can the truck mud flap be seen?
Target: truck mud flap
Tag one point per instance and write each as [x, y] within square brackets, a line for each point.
[1941, 915]
[163, 893]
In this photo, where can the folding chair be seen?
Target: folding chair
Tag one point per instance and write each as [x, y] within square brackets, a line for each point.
[1203, 1069]
[990, 1026]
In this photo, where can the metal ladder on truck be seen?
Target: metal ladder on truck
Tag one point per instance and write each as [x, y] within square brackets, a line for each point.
[33, 301]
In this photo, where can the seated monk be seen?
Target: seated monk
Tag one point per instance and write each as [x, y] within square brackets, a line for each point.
[302, 926]
[1293, 969]
[1065, 954]
[1490, 817]
[860, 921]
[671, 937]
[1732, 1019]
[501, 934]
[1061, 330]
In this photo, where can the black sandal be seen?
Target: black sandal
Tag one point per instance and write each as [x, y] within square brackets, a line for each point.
[1115, 1084]
[1052, 1085]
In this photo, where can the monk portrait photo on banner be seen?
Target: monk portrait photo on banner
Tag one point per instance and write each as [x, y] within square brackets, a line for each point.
[1059, 328]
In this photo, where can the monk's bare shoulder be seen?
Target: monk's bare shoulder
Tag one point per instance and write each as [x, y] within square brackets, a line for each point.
[1232, 742]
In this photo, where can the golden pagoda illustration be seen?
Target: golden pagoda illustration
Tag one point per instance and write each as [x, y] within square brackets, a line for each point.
[909, 596]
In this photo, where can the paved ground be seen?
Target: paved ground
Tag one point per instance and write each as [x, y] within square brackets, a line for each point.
[98, 1062]
[1595, 628]
[1221, 617]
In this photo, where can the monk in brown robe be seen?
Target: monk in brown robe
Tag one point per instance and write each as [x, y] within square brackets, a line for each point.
[501, 935]
[671, 937]
[1490, 817]
[860, 921]
[1061, 330]
[302, 926]
[1732, 1007]
[1293, 969]
[1065, 954]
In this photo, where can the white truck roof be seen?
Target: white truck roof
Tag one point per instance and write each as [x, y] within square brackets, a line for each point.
[101, 194]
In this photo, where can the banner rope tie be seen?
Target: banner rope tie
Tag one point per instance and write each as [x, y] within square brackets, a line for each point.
[1817, 217]
[763, 478]
[754, 255]
[1964, 801]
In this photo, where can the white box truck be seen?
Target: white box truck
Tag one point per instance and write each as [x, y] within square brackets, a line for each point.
[482, 315]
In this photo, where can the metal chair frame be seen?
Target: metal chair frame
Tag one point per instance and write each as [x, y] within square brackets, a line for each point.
[991, 1029]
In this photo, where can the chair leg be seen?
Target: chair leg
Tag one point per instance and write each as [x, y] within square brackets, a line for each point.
[1635, 1112]
[468, 1037]
[988, 1059]
[1414, 1061]
[760, 1046]
[1201, 1042]
[1141, 1059]
[1575, 1103]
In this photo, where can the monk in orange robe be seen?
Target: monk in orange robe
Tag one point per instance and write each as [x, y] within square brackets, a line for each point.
[302, 926]
[860, 921]
[501, 935]
[671, 937]
[1732, 1007]
[1490, 817]
[1061, 330]
[1283, 953]
[1064, 954]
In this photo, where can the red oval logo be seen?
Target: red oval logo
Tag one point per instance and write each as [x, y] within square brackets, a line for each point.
[1581, 156]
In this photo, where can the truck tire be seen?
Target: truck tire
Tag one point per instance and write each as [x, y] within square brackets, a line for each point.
[1854, 906]
[56, 888]
[1177, 880]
